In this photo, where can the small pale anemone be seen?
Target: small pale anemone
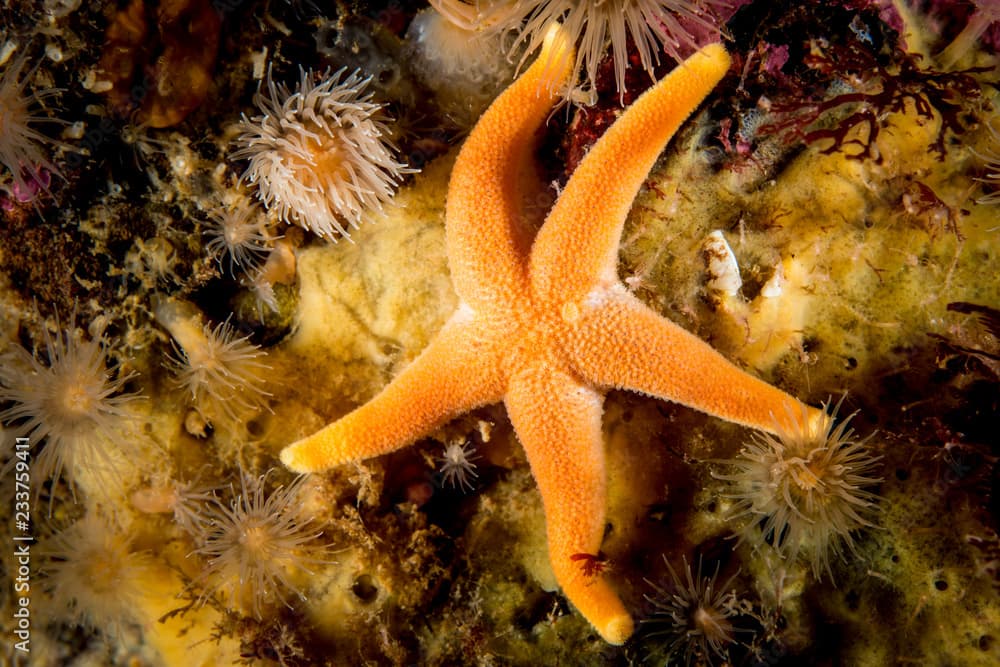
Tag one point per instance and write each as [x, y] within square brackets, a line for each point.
[259, 545]
[652, 27]
[153, 262]
[320, 156]
[280, 267]
[693, 617]
[92, 575]
[20, 143]
[465, 68]
[74, 402]
[805, 490]
[182, 499]
[991, 162]
[223, 373]
[457, 467]
[237, 233]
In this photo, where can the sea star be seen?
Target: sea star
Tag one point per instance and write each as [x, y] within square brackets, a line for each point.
[545, 325]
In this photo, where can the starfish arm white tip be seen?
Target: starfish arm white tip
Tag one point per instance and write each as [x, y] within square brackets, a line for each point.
[486, 234]
[562, 438]
[454, 374]
[624, 344]
[578, 244]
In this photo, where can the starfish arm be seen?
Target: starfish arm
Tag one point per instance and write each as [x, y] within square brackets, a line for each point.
[486, 235]
[621, 343]
[577, 247]
[558, 422]
[457, 372]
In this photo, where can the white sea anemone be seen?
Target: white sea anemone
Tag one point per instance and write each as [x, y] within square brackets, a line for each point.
[320, 156]
[258, 545]
[237, 233]
[182, 499]
[457, 465]
[20, 143]
[93, 576]
[651, 26]
[805, 491]
[224, 373]
[74, 403]
[465, 68]
[693, 616]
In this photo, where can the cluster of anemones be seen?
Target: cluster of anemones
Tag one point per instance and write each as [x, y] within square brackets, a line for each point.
[650, 27]
[321, 158]
[257, 549]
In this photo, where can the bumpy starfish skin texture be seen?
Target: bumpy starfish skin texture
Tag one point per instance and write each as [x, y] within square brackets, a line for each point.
[546, 326]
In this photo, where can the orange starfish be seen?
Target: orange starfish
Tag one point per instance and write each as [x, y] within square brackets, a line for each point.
[545, 325]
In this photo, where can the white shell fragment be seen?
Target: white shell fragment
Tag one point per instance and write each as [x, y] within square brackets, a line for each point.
[723, 273]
